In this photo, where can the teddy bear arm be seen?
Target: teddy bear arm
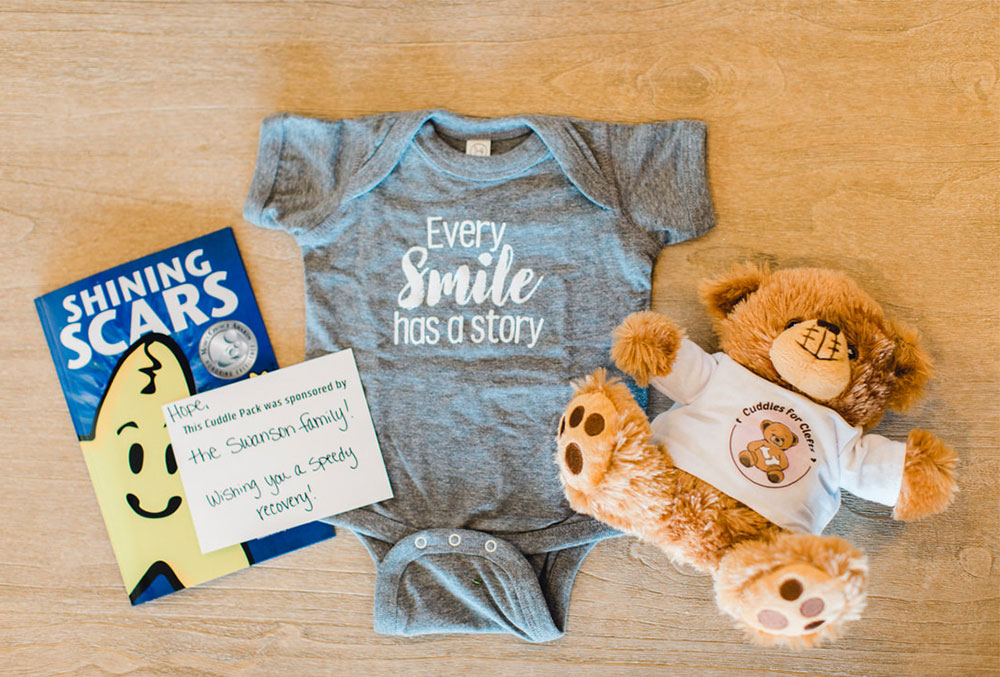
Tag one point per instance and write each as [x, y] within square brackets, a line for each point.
[871, 467]
[646, 345]
[928, 485]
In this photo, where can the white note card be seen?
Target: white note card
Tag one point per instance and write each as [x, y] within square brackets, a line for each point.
[277, 450]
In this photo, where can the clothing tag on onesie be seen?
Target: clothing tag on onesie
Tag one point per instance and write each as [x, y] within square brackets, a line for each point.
[278, 450]
[480, 147]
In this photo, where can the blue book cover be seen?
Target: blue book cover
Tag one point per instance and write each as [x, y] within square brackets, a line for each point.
[128, 340]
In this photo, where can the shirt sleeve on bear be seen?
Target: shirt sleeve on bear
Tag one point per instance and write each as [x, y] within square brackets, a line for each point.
[872, 468]
[303, 166]
[691, 372]
[662, 179]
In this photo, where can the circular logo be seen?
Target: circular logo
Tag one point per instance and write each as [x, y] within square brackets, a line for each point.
[228, 349]
[770, 447]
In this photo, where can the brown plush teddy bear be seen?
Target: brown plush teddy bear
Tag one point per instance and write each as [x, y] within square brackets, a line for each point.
[740, 477]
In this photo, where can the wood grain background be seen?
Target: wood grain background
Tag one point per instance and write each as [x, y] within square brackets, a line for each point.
[858, 135]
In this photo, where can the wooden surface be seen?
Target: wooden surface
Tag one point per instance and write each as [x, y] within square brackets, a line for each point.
[858, 135]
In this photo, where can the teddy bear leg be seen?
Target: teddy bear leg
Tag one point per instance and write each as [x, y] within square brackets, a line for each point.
[601, 419]
[794, 589]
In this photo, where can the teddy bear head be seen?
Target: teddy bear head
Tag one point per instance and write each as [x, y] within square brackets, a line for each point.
[778, 434]
[817, 332]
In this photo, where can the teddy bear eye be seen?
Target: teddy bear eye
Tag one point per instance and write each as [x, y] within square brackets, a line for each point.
[852, 352]
[792, 323]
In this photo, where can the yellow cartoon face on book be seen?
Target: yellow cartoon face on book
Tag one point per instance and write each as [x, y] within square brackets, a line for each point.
[134, 472]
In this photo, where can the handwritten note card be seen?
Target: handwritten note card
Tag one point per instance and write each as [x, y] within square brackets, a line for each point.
[278, 450]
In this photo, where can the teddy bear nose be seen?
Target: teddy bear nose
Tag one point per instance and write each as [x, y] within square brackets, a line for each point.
[829, 326]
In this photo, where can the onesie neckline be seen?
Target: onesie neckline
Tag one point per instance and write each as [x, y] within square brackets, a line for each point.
[552, 137]
[513, 162]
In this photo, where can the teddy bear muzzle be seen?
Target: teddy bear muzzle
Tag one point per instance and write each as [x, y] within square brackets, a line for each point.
[812, 356]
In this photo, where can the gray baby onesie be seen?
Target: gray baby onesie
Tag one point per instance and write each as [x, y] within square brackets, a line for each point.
[472, 289]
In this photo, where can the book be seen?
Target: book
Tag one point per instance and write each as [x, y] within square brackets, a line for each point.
[127, 341]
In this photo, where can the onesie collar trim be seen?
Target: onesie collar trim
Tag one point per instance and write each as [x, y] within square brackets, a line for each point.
[553, 135]
[509, 164]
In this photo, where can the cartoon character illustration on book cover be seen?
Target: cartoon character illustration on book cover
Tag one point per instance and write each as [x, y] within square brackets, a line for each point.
[134, 472]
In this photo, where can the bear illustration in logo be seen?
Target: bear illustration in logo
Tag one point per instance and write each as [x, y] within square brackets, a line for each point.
[134, 472]
[768, 454]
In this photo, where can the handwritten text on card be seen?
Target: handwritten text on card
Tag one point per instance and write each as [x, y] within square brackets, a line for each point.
[276, 451]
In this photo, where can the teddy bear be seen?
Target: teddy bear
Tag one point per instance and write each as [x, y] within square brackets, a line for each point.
[768, 454]
[740, 477]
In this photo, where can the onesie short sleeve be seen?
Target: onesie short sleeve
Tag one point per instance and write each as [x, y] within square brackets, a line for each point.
[662, 179]
[307, 168]
[300, 167]
[872, 468]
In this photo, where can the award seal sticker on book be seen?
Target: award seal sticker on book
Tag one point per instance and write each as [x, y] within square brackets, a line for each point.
[228, 349]
[129, 340]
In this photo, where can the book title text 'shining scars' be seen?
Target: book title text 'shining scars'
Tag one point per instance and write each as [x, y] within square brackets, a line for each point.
[170, 279]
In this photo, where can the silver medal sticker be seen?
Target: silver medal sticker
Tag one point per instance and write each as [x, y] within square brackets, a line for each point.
[228, 349]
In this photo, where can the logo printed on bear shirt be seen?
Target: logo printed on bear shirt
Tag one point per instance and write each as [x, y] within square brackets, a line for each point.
[771, 445]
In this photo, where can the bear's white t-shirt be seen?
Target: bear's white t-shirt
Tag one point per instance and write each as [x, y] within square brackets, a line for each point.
[724, 411]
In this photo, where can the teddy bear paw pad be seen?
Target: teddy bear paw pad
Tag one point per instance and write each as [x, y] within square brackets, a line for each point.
[586, 438]
[793, 600]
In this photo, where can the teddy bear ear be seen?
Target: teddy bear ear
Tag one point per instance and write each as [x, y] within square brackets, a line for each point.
[911, 368]
[722, 294]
